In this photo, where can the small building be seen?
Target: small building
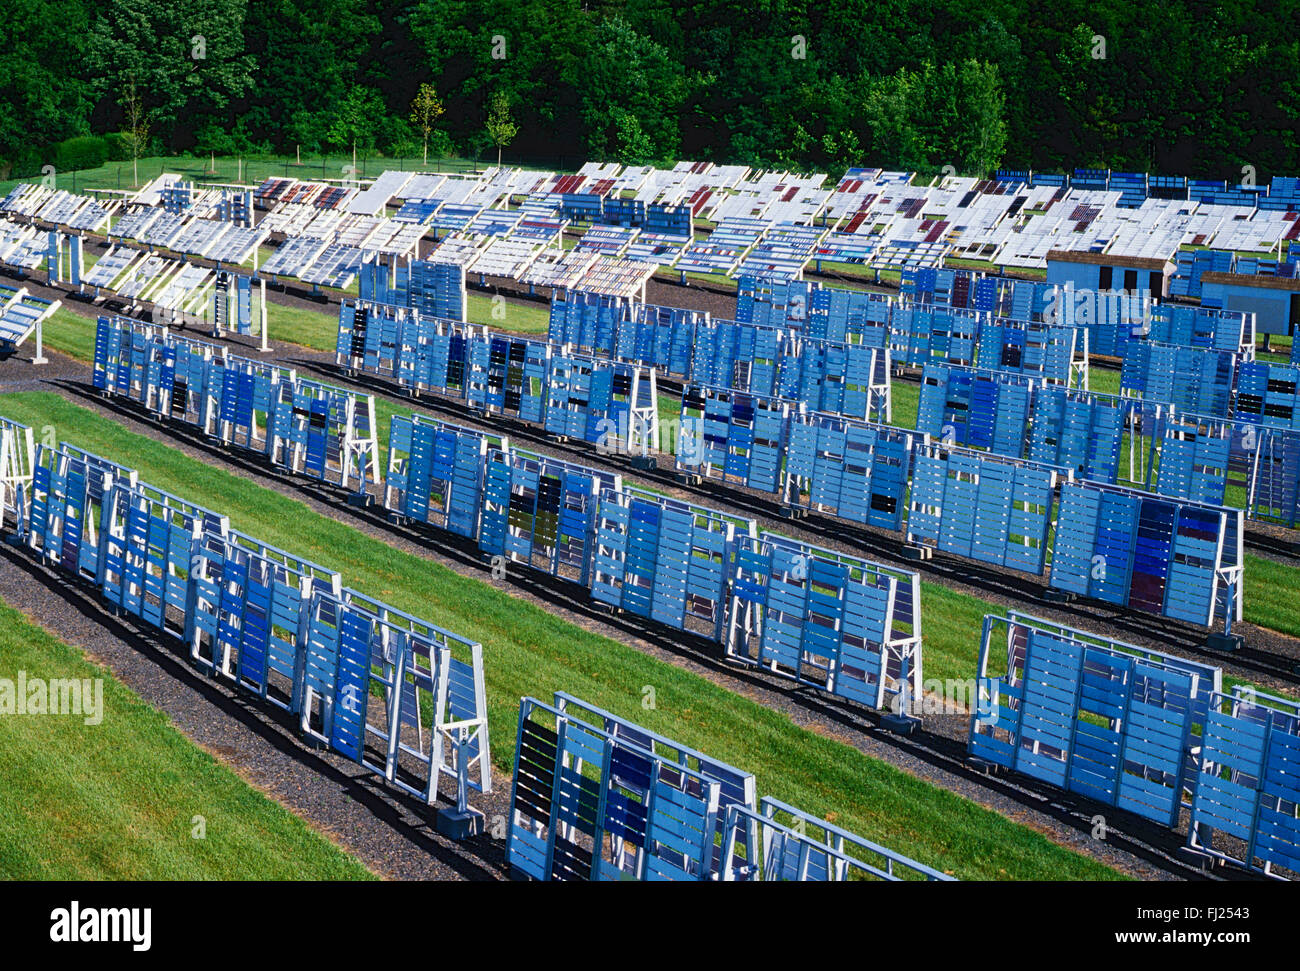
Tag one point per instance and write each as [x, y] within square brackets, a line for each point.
[1109, 271]
[1274, 300]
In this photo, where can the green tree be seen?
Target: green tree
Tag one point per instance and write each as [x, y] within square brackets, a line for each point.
[185, 57]
[138, 119]
[532, 51]
[894, 109]
[426, 109]
[45, 94]
[978, 135]
[629, 74]
[935, 116]
[1189, 88]
[633, 146]
[356, 120]
[307, 56]
[501, 128]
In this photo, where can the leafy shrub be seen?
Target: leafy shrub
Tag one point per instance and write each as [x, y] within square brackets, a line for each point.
[397, 139]
[23, 163]
[441, 145]
[82, 152]
[118, 144]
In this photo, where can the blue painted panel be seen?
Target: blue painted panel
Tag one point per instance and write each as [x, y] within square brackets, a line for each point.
[351, 686]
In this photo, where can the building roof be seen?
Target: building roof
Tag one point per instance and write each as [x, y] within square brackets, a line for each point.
[1110, 259]
[1246, 280]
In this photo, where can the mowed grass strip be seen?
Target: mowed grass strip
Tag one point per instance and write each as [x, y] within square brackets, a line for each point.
[70, 334]
[319, 330]
[117, 800]
[1271, 599]
[529, 651]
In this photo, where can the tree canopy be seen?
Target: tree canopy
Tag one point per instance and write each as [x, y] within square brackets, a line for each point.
[1184, 87]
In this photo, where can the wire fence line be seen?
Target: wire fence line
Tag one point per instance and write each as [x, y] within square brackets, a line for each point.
[253, 170]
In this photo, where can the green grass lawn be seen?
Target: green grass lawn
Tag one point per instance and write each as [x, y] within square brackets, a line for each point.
[1271, 599]
[69, 333]
[1278, 344]
[529, 651]
[905, 402]
[516, 316]
[1103, 380]
[316, 329]
[717, 281]
[117, 800]
[319, 330]
[250, 171]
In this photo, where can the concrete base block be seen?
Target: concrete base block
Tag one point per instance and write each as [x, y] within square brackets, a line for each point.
[459, 826]
[1226, 643]
[900, 724]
